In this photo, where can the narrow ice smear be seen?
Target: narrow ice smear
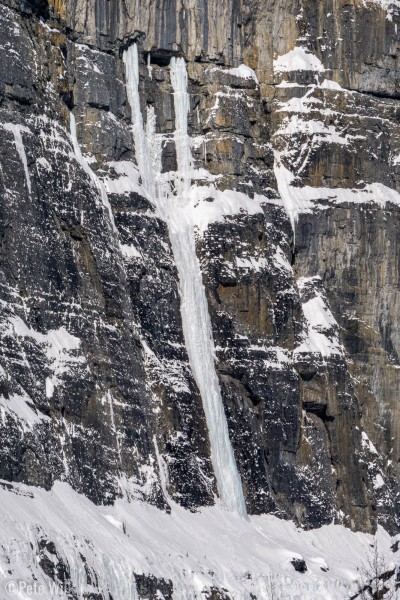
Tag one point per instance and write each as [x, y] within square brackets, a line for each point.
[292, 202]
[19, 145]
[172, 199]
[86, 167]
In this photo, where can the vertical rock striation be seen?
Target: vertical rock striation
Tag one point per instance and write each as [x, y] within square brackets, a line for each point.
[198, 264]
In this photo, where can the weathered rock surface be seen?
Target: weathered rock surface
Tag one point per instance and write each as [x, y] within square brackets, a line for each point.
[302, 281]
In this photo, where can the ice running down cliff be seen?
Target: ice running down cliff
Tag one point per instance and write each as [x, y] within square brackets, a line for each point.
[199, 293]
[171, 197]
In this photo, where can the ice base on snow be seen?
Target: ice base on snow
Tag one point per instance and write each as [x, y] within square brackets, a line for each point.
[171, 196]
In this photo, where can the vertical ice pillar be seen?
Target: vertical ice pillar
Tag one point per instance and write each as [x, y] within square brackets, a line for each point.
[142, 151]
[173, 203]
[179, 81]
[194, 306]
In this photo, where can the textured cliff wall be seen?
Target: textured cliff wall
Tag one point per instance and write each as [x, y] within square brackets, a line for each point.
[293, 194]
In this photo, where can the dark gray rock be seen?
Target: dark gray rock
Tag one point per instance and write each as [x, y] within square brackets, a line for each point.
[299, 565]
[95, 379]
[150, 587]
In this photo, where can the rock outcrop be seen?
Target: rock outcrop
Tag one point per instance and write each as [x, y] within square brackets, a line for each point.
[295, 156]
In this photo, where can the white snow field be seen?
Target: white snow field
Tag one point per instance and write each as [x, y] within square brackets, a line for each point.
[196, 551]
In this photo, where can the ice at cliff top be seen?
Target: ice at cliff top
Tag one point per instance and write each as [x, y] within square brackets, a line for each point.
[189, 549]
[298, 59]
[176, 210]
[142, 150]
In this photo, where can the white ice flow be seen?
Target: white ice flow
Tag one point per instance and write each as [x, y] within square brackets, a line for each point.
[19, 145]
[171, 198]
[86, 167]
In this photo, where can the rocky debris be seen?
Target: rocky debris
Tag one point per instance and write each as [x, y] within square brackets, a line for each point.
[299, 565]
[152, 588]
[376, 588]
[216, 594]
[55, 567]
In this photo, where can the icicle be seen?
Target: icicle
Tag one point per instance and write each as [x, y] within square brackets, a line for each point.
[143, 158]
[162, 470]
[114, 428]
[19, 145]
[179, 82]
[175, 210]
[195, 315]
[291, 201]
[86, 167]
[149, 67]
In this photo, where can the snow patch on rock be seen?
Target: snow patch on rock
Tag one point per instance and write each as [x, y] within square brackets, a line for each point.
[59, 346]
[298, 200]
[322, 329]
[298, 59]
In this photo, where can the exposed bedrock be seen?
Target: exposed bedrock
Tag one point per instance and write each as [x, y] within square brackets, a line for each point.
[294, 128]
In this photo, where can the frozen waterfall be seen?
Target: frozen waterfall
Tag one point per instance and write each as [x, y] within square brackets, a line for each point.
[172, 199]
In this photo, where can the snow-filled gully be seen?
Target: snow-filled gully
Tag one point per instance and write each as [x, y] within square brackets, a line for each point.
[171, 197]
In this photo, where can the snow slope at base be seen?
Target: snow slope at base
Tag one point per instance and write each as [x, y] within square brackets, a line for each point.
[196, 551]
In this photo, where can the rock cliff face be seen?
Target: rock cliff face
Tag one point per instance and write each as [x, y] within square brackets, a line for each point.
[282, 152]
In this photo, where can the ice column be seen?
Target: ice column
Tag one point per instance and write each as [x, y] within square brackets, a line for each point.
[173, 203]
[142, 151]
[195, 316]
[179, 83]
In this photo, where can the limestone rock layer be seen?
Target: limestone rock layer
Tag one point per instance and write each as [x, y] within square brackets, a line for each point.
[294, 191]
